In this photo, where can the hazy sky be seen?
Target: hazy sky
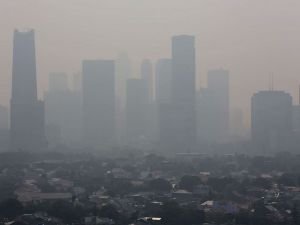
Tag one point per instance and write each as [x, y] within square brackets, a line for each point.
[251, 38]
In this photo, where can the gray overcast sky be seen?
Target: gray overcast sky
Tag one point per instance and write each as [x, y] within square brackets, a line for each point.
[251, 38]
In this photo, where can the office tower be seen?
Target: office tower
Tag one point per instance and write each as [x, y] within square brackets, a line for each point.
[218, 86]
[4, 118]
[296, 119]
[123, 73]
[27, 112]
[147, 76]
[183, 92]
[58, 82]
[237, 128]
[271, 120]
[213, 108]
[76, 82]
[206, 114]
[163, 81]
[136, 112]
[4, 128]
[62, 112]
[296, 129]
[98, 88]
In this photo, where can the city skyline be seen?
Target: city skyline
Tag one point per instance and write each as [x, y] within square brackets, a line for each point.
[161, 112]
[240, 47]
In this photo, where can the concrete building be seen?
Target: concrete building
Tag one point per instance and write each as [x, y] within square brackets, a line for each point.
[136, 112]
[183, 93]
[98, 88]
[271, 120]
[27, 131]
[163, 81]
[62, 112]
[147, 76]
[123, 73]
[213, 108]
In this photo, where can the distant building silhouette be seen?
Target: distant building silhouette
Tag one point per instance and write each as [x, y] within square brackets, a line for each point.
[4, 129]
[58, 82]
[206, 125]
[27, 112]
[271, 120]
[213, 108]
[183, 93]
[62, 112]
[123, 73]
[147, 76]
[163, 81]
[237, 128]
[98, 87]
[4, 118]
[163, 85]
[296, 119]
[136, 112]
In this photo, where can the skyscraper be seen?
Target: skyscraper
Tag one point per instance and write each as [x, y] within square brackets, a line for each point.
[123, 73]
[98, 87]
[136, 112]
[163, 84]
[271, 120]
[147, 76]
[163, 81]
[62, 112]
[218, 86]
[183, 92]
[58, 82]
[27, 112]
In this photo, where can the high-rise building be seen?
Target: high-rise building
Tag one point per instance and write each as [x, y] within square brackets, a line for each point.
[147, 76]
[213, 108]
[183, 92]
[271, 120]
[163, 84]
[58, 82]
[27, 112]
[62, 112]
[218, 86]
[237, 128]
[163, 81]
[123, 73]
[98, 88]
[206, 114]
[4, 118]
[136, 112]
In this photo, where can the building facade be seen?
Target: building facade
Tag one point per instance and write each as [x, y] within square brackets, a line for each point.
[98, 88]
[27, 120]
[271, 120]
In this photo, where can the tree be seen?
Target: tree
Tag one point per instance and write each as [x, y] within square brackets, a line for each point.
[66, 211]
[160, 185]
[170, 213]
[11, 208]
[109, 211]
[189, 182]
